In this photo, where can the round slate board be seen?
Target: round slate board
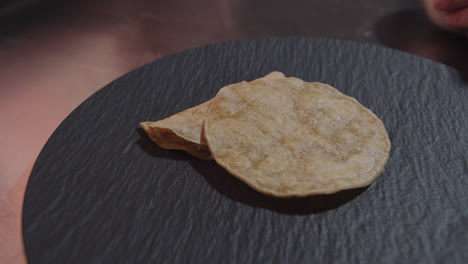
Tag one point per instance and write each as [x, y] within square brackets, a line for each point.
[102, 192]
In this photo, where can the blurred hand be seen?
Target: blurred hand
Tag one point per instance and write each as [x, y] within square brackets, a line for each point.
[456, 12]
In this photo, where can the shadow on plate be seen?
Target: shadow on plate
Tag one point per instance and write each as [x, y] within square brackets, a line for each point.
[148, 146]
[412, 31]
[236, 190]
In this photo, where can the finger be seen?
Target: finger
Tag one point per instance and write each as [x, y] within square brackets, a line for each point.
[458, 18]
[449, 5]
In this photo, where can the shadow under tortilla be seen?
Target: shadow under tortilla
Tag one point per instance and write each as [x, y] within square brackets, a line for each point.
[236, 190]
[148, 146]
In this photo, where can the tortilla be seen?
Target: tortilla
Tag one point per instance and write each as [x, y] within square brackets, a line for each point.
[286, 137]
[183, 130]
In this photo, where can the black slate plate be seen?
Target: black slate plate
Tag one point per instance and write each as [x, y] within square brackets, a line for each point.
[102, 192]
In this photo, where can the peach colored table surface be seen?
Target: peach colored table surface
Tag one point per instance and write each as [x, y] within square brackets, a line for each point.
[55, 54]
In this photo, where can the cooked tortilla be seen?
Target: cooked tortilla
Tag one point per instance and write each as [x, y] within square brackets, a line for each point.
[286, 137]
[183, 130]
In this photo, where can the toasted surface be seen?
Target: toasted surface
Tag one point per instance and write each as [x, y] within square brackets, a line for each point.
[286, 137]
[183, 130]
[273, 75]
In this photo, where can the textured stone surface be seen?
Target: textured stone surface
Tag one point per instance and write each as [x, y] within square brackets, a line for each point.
[101, 191]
